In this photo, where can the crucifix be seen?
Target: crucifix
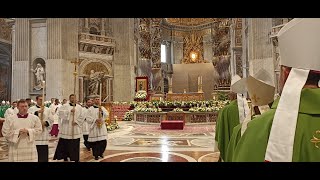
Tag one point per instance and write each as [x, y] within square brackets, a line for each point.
[75, 73]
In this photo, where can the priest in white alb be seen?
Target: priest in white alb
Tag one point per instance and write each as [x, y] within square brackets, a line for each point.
[98, 130]
[70, 131]
[42, 141]
[12, 110]
[21, 131]
[85, 126]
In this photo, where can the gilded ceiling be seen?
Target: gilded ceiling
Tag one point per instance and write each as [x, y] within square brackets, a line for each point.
[189, 21]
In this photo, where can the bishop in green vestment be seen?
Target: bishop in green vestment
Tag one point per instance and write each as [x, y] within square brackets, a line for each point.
[231, 115]
[252, 145]
[290, 131]
[228, 118]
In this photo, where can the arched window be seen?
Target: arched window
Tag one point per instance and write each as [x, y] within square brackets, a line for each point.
[163, 53]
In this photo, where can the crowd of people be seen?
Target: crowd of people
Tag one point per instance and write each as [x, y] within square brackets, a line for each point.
[29, 126]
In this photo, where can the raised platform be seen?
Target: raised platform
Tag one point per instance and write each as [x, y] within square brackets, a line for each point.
[186, 117]
[172, 124]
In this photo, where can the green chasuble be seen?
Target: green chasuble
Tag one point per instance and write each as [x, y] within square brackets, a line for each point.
[228, 118]
[236, 135]
[253, 144]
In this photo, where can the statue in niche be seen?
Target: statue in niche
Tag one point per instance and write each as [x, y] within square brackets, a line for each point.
[39, 73]
[94, 81]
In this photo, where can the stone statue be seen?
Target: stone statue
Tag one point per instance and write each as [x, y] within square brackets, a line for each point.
[94, 81]
[39, 72]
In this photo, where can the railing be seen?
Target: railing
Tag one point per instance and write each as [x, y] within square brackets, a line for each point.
[96, 39]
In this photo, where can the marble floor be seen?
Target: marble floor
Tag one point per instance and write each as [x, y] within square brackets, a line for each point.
[147, 143]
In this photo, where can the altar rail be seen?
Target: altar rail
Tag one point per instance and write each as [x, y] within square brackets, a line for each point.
[187, 117]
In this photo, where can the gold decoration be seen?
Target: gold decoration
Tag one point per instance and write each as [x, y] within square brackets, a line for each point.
[190, 21]
[315, 139]
[193, 48]
[255, 98]
[5, 30]
[96, 66]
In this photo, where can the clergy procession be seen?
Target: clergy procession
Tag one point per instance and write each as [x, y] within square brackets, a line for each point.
[29, 129]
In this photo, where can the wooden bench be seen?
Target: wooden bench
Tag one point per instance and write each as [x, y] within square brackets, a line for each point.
[172, 124]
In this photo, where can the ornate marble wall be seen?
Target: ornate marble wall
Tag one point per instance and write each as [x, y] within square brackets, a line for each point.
[5, 60]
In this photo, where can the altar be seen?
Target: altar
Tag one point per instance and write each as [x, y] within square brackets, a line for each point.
[191, 96]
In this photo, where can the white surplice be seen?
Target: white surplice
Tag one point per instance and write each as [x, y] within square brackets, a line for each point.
[66, 116]
[22, 148]
[97, 133]
[44, 137]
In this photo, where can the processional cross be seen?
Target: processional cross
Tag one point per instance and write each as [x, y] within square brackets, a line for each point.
[75, 73]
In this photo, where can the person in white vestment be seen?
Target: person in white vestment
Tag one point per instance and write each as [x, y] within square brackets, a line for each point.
[98, 130]
[42, 140]
[85, 126]
[21, 131]
[70, 131]
[55, 118]
[12, 110]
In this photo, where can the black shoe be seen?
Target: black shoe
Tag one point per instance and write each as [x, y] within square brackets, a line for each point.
[65, 159]
[101, 156]
[96, 158]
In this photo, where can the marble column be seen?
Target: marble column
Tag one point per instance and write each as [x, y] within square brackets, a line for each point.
[260, 46]
[103, 31]
[21, 59]
[123, 58]
[156, 54]
[86, 25]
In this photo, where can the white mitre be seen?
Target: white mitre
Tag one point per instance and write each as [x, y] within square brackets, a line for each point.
[261, 88]
[238, 84]
[299, 42]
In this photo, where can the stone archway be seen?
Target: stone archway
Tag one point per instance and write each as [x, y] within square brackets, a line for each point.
[103, 73]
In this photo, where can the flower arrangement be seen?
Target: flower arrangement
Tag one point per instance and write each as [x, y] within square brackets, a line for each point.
[177, 110]
[141, 95]
[128, 116]
[145, 109]
[113, 126]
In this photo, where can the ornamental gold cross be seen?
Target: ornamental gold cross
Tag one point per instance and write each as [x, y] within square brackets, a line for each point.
[255, 98]
[315, 139]
[75, 73]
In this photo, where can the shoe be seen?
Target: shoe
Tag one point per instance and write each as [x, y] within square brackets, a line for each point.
[101, 156]
[96, 158]
[65, 159]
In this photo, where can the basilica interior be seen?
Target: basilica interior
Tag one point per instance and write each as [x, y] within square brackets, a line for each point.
[147, 71]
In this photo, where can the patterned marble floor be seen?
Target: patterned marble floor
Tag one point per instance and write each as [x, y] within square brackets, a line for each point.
[147, 143]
